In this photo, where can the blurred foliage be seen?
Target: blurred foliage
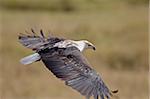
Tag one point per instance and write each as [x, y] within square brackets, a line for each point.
[137, 2]
[64, 5]
[51, 5]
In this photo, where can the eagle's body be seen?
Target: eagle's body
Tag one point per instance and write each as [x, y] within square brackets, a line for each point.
[65, 60]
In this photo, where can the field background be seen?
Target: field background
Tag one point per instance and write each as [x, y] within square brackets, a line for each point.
[118, 28]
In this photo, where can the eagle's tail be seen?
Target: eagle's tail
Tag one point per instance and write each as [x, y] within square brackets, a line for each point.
[30, 59]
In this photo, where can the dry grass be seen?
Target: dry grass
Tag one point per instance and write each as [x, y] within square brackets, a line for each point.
[121, 57]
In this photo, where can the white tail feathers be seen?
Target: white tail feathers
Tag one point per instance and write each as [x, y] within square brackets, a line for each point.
[30, 59]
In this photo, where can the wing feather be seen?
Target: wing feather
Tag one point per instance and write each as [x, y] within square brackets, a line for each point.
[76, 73]
[37, 42]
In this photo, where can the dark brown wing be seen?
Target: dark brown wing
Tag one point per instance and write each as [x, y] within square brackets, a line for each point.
[37, 42]
[69, 65]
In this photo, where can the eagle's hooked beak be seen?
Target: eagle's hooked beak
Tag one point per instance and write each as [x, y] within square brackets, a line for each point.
[84, 44]
[94, 48]
[91, 46]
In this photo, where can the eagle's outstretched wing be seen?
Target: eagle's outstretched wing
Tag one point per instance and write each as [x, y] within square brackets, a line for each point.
[37, 42]
[70, 65]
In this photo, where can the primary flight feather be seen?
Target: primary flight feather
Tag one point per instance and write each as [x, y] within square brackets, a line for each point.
[65, 60]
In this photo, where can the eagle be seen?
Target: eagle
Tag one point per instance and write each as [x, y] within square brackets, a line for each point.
[64, 58]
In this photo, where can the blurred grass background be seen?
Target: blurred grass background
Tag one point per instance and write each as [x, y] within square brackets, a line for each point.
[118, 28]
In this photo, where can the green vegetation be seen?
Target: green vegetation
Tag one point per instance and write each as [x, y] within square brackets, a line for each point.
[66, 5]
[118, 28]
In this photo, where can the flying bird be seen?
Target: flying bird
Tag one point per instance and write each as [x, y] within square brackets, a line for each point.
[65, 60]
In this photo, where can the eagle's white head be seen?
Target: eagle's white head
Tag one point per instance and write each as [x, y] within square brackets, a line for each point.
[84, 44]
[81, 44]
